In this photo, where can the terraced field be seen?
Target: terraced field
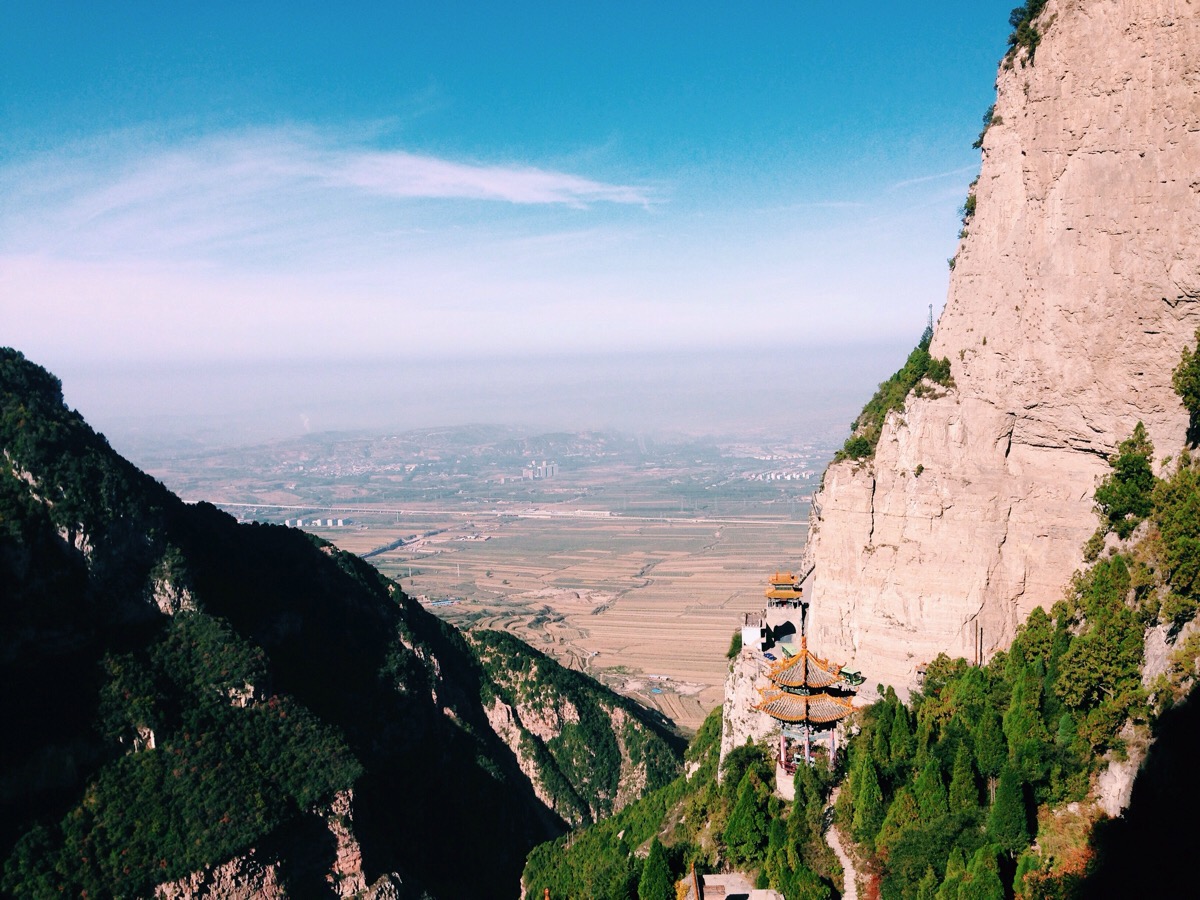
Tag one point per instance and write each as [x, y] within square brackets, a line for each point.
[647, 606]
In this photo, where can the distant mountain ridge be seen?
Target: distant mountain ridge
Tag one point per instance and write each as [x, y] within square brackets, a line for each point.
[185, 688]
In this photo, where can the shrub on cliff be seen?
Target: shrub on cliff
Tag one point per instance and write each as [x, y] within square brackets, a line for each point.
[1024, 32]
[890, 396]
[1185, 379]
[1123, 498]
[1177, 515]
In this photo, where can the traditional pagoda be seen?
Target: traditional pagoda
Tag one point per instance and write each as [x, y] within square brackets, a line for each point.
[807, 695]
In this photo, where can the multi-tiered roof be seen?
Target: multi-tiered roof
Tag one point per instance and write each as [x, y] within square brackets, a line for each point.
[805, 689]
[800, 690]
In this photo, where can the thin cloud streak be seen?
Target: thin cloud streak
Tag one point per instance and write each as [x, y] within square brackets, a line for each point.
[909, 182]
[396, 174]
[236, 186]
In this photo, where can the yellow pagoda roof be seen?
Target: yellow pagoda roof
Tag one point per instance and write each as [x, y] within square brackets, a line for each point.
[817, 709]
[804, 670]
[784, 586]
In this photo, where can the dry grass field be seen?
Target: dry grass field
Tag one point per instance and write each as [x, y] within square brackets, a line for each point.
[646, 606]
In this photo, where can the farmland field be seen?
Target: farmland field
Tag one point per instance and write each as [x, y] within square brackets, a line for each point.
[647, 607]
[626, 558]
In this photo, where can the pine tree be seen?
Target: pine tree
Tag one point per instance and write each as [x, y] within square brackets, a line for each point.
[903, 744]
[991, 748]
[1123, 498]
[956, 871]
[964, 792]
[746, 831]
[982, 881]
[930, 792]
[881, 728]
[927, 887]
[901, 815]
[1028, 738]
[1007, 823]
[655, 883]
[868, 802]
[1186, 382]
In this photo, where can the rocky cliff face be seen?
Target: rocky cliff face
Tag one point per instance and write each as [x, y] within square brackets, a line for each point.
[1070, 300]
[740, 722]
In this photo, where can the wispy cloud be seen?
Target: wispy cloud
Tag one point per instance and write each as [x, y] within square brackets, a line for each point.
[252, 187]
[394, 174]
[953, 173]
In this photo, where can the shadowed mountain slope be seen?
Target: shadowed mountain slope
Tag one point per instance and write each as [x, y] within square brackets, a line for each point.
[183, 688]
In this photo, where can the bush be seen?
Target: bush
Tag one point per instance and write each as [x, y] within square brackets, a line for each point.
[891, 395]
[1024, 33]
[1185, 379]
[988, 119]
[1123, 498]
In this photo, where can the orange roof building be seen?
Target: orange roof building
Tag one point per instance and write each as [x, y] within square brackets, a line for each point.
[806, 694]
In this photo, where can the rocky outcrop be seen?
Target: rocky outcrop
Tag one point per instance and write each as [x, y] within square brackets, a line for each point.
[507, 727]
[585, 753]
[170, 597]
[1072, 296]
[258, 875]
[243, 878]
[346, 874]
[740, 722]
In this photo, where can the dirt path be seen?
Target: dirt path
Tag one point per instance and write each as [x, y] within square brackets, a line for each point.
[835, 843]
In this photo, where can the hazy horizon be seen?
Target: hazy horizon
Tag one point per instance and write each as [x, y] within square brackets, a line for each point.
[784, 391]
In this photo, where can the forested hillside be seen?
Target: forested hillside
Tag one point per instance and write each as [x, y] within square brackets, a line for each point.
[179, 688]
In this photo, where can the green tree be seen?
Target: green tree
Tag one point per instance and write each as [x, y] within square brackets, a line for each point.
[1177, 515]
[746, 832]
[868, 802]
[956, 871]
[902, 742]
[1008, 822]
[890, 396]
[1025, 33]
[1185, 379]
[785, 870]
[928, 885]
[991, 747]
[1123, 499]
[930, 791]
[1024, 727]
[1099, 677]
[656, 882]
[735, 645]
[982, 881]
[902, 814]
[964, 792]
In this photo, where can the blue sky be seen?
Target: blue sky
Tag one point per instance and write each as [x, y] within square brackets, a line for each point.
[215, 182]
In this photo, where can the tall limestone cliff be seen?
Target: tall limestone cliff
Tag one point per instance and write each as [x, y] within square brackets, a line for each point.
[1071, 297]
